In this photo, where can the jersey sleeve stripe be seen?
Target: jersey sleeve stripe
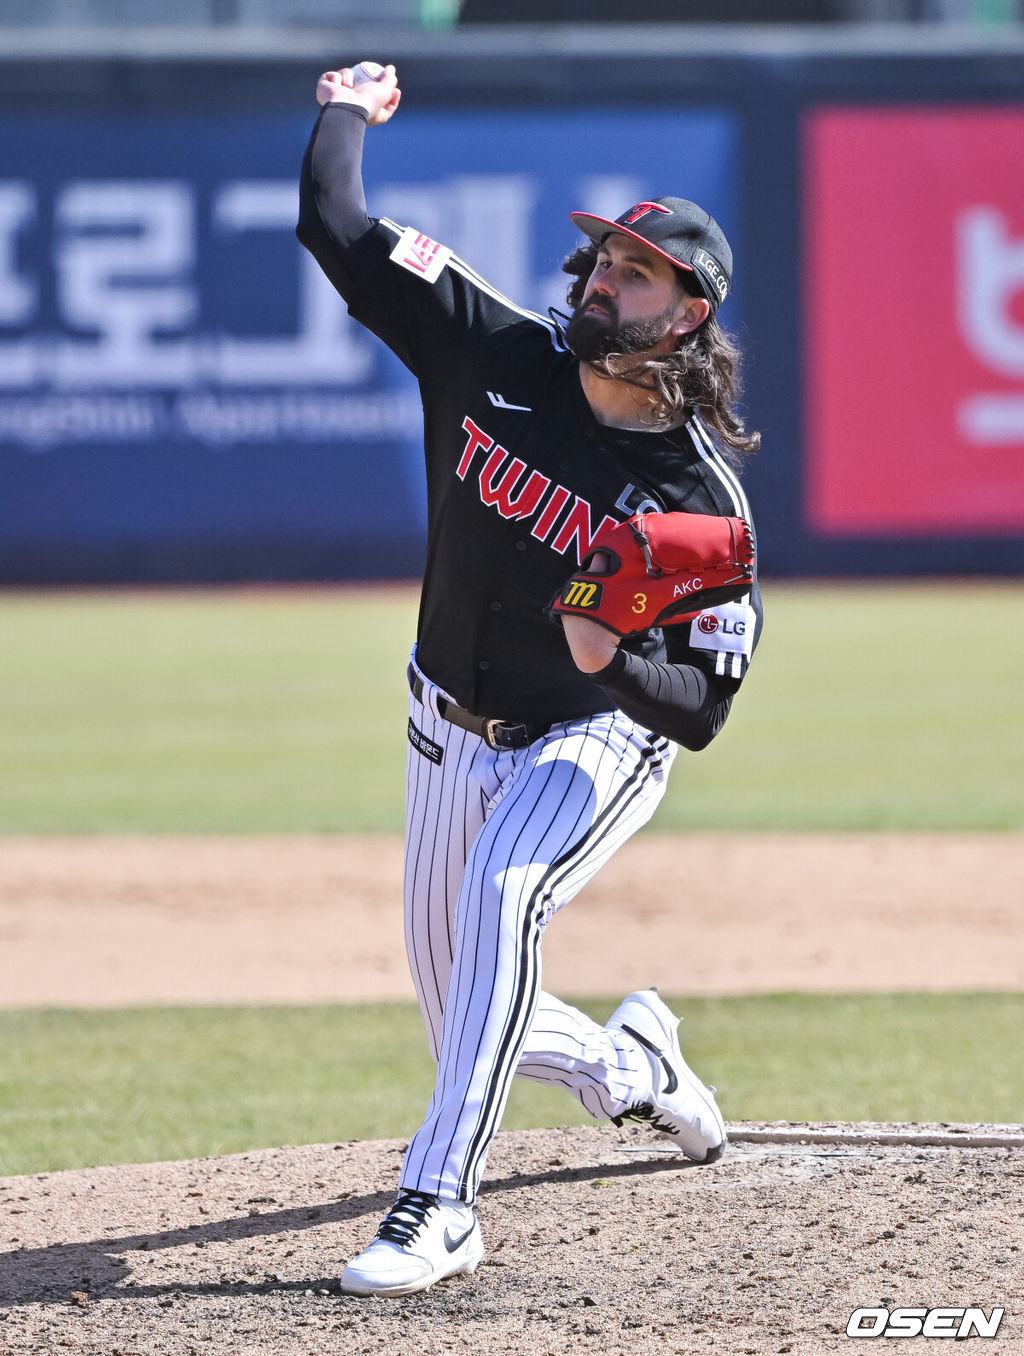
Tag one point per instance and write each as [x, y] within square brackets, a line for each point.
[460, 266]
[707, 450]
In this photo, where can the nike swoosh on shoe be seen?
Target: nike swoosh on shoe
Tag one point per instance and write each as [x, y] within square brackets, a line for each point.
[670, 1073]
[454, 1244]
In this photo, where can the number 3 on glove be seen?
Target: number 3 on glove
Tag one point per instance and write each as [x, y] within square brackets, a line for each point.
[686, 562]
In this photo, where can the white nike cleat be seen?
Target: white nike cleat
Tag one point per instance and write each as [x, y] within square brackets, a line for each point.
[421, 1240]
[681, 1107]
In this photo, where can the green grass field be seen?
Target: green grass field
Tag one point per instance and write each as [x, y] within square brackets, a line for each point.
[868, 707]
[79, 1088]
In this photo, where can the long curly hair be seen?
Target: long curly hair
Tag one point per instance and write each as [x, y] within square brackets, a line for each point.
[702, 374]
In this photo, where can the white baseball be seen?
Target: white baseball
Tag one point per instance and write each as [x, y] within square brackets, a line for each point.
[366, 70]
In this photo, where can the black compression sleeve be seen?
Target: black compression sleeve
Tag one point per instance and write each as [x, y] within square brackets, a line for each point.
[681, 702]
[332, 204]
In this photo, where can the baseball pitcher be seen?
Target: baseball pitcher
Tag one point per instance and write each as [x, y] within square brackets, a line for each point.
[589, 607]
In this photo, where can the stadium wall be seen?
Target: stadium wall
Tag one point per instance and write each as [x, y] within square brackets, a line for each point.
[182, 399]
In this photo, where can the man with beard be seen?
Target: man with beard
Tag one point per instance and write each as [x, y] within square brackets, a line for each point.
[537, 746]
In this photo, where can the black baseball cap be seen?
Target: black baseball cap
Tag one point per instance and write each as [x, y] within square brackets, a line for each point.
[682, 232]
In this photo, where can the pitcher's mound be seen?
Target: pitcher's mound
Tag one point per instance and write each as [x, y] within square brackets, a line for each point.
[596, 1242]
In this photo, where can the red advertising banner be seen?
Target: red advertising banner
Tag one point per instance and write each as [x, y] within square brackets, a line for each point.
[914, 321]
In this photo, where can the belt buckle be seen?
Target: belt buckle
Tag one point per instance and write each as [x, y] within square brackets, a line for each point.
[490, 729]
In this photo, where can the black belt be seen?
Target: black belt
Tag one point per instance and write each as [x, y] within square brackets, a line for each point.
[496, 734]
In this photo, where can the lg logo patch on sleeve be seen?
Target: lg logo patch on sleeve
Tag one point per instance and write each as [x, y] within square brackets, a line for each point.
[728, 633]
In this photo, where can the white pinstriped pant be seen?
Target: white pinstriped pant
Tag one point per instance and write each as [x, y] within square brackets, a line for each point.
[496, 843]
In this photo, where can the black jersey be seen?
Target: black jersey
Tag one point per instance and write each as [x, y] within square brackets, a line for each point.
[520, 475]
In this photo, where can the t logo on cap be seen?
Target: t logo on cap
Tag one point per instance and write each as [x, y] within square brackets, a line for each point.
[681, 232]
[641, 210]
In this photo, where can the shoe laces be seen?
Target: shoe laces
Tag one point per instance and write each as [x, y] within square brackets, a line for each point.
[644, 1111]
[404, 1220]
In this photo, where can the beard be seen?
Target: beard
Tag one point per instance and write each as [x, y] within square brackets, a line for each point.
[596, 335]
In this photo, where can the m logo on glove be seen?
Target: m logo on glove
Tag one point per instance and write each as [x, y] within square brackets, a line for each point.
[685, 562]
[579, 593]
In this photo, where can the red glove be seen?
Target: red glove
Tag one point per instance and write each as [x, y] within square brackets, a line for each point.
[659, 569]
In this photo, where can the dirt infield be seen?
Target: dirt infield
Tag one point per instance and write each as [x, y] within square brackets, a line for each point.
[88, 921]
[596, 1241]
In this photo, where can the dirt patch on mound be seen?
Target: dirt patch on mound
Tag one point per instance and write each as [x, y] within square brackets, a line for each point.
[594, 1244]
[102, 921]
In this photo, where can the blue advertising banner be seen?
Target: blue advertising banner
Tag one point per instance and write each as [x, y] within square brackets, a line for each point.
[184, 397]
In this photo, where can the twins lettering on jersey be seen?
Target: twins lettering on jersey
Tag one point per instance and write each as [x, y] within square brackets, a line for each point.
[517, 491]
